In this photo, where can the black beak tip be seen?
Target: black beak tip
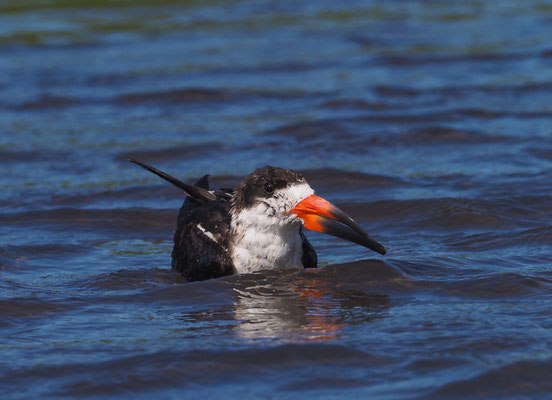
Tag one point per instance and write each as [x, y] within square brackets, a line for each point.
[377, 247]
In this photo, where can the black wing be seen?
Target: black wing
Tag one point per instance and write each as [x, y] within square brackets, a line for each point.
[202, 231]
[201, 241]
[309, 257]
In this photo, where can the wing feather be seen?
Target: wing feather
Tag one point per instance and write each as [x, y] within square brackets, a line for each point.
[309, 257]
[201, 242]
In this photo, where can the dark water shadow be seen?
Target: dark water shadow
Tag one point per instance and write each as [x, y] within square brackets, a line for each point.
[198, 369]
[523, 379]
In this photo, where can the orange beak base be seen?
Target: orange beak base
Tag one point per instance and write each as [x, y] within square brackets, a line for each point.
[322, 216]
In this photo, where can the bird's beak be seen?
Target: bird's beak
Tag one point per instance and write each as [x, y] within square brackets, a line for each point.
[322, 216]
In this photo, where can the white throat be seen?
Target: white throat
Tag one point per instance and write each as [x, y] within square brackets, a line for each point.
[264, 236]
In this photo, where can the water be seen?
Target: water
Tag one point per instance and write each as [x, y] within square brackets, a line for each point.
[428, 122]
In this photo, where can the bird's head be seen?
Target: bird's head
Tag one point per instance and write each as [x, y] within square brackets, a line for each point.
[285, 196]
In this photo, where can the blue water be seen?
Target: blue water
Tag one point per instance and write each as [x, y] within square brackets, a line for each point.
[427, 121]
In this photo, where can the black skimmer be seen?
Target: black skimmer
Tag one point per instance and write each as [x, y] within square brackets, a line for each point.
[256, 226]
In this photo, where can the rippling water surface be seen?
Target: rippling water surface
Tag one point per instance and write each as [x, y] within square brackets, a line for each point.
[427, 121]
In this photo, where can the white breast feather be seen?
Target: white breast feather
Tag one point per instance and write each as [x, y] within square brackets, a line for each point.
[265, 237]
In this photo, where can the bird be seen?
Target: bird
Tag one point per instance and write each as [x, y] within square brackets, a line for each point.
[256, 226]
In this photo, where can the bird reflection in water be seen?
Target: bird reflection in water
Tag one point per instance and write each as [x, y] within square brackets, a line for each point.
[301, 308]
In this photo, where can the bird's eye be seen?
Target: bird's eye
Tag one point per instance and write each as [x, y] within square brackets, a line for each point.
[268, 187]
